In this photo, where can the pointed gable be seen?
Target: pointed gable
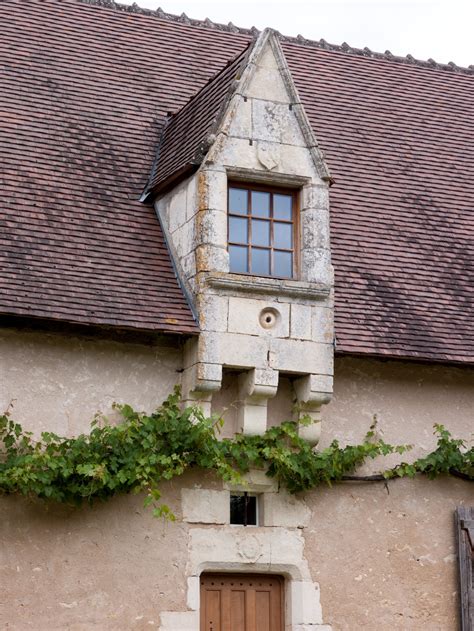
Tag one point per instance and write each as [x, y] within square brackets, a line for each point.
[260, 71]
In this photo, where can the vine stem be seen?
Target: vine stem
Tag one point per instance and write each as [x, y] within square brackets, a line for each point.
[378, 477]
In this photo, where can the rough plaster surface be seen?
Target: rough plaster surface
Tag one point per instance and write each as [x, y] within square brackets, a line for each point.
[57, 383]
[107, 568]
[407, 399]
[386, 559]
[382, 561]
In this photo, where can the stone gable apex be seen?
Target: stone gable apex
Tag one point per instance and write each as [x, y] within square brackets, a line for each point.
[266, 77]
[195, 133]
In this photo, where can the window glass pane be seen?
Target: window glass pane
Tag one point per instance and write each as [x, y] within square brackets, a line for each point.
[260, 262]
[238, 230]
[243, 510]
[282, 235]
[238, 201]
[260, 232]
[282, 264]
[260, 204]
[282, 206]
[238, 258]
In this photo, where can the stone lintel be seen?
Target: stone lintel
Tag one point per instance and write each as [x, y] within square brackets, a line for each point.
[255, 481]
[242, 174]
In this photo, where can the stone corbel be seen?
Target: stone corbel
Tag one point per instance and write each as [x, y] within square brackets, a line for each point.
[256, 386]
[199, 383]
[312, 391]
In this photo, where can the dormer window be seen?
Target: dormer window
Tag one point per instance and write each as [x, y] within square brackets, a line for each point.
[261, 231]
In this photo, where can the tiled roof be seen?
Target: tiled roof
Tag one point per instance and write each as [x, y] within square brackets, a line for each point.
[399, 140]
[86, 89]
[183, 142]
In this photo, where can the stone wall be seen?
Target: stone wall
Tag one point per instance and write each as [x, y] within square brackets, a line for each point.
[383, 559]
[261, 326]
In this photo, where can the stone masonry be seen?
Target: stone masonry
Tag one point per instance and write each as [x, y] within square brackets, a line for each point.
[259, 327]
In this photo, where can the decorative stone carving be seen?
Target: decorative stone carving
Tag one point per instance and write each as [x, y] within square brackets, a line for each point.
[268, 154]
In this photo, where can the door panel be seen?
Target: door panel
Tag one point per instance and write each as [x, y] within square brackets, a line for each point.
[241, 602]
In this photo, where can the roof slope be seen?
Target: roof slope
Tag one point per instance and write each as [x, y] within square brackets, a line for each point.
[399, 140]
[85, 92]
[182, 144]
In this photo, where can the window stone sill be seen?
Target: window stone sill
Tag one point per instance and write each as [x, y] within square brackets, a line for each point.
[273, 286]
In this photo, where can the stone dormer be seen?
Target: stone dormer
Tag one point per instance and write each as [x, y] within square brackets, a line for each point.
[241, 189]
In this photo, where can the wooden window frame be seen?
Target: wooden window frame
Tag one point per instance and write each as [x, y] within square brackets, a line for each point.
[295, 250]
[464, 523]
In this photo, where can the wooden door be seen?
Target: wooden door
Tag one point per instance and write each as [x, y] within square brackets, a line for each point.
[241, 602]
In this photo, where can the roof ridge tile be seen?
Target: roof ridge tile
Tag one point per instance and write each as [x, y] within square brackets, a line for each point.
[299, 39]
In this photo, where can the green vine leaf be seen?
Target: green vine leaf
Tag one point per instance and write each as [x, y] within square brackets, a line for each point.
[144, 450]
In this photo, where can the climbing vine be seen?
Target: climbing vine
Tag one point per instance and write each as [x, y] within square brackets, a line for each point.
[144, 450]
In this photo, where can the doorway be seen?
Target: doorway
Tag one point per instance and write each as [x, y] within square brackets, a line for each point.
[241, 602]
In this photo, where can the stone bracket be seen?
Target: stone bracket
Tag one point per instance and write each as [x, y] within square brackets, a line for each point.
[312, 391]
[256, 386]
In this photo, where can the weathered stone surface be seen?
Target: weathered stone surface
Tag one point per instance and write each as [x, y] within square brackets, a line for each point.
[184, 238]
[315, 229]
[233, 349]
[188, 266]
[247, 324]
[212, 258]
[312, 387]
[211, 228]
[244, 317]
[252, 417]
[315, 197]
[305, 604]
[205, 506]
[239, 124]
[179, 621]
[284, 510]
[316, 265]
[213, 312]
[211, 189]
[301, 322]
[177, 207]
[322, 325]
[258, 382]
[310, 432]
[255, 481]
[244, 549]
[268, 84]
[300, 356]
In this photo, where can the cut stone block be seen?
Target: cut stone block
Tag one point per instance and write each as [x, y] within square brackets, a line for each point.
[205, 506]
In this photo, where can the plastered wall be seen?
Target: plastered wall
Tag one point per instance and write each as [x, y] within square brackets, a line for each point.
[385, 556]
[58, 382]
[383, 559]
